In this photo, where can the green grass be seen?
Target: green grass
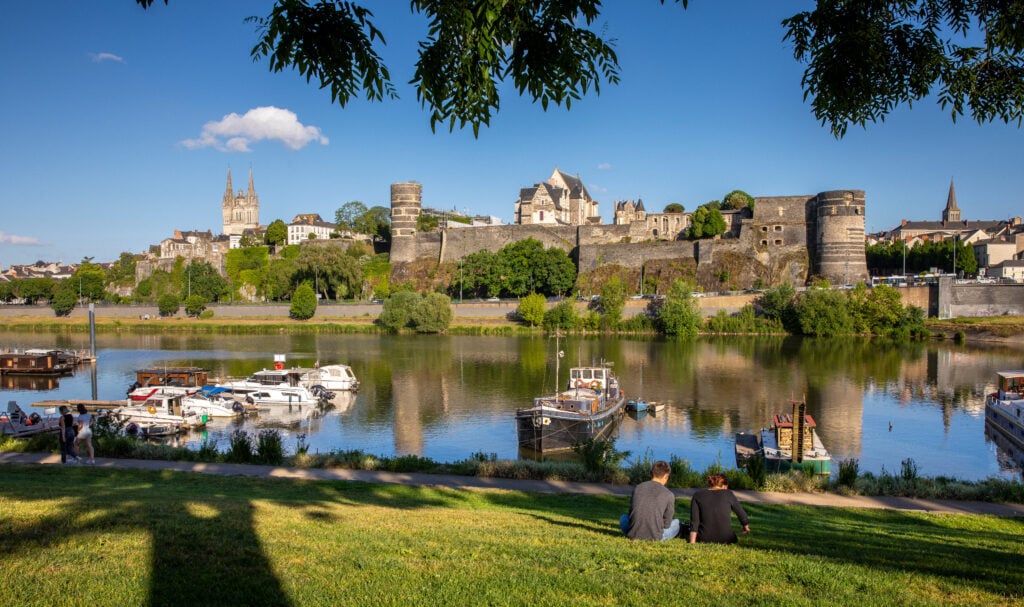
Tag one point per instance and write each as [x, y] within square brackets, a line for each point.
[94, 536]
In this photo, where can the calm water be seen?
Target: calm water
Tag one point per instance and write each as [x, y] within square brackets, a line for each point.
[449, 397]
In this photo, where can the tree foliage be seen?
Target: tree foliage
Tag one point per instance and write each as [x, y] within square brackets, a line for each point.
[65, 297]
[333, 273]
[679, 315]
[276, 234]
[824, 313]
[303, 305]
[195, 305]
[864, 59]
[347, 217]
[201, 278]
[613, 301]
[561, 316]
[90, 280]
[889, 258]
[432, 313]
[738, 199]
[517, 269]
[707, 221]
[674, 207]
[168, 304]
[531, 309]
[397, 310]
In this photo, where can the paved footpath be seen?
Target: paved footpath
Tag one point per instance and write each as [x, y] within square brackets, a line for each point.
[828, 500]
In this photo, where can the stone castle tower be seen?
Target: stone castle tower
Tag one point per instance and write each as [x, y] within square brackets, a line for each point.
[406, 206]
[839, 249]
[240, 211]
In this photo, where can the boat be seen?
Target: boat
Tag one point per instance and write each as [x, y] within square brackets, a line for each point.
[790, 443]
[38, 362]
[15, 422]
[213, 402]
[1004, 408]
[281, 385]
[655, 407]
[187, 377]
[158, 408]
[285, 395]
[636, 405]
[334, 378]
[587, 409]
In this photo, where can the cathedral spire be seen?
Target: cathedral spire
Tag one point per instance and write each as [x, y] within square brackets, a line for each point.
[229, 191]
[952, 212]
[252, 190]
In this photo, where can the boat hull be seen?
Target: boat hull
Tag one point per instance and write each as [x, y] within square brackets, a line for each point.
[545, 430]
[1007, 416]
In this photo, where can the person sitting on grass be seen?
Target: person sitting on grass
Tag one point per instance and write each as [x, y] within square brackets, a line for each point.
[709, 513]
[651, 508]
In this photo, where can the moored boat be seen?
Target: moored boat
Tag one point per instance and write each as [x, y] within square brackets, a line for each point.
[38, 362]
[15, 422]
[637, 405]
[587, 409]
[278, 386]
[791, 443]
[1004, 409]
[158, 409]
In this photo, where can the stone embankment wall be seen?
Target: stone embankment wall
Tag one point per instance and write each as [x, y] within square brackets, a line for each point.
[955, 300]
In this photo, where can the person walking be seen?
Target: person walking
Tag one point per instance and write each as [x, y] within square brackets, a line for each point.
[651, 508]
[68, 432]
[85, 432]
[709, 513]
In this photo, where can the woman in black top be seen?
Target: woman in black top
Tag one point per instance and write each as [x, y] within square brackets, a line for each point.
[709, 513]
[68, 432]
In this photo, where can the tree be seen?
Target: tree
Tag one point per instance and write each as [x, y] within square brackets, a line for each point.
[432, 314]
[867, 58]
[531, 309]
[276, 234]
[707, 221]
[36, 288]
[778, 304]
[738, 199]
[168, 304]
[397, 310]
[864, 59]
[561, 316]
[674, 207]
[121, 273]
[349, 214]
[201, 278]
[376, 221]
[249, 240]
[195, 304]
[679, 315]
[613, 301]
[303, 305]
[90, 280]
[64, 298]
[333, 273]
[823, 313]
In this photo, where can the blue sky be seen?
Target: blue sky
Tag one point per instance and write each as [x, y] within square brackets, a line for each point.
[116, 128]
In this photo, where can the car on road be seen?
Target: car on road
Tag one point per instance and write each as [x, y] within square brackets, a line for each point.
[494, 299]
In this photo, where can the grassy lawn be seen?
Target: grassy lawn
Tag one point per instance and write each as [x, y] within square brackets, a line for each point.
[94, 536]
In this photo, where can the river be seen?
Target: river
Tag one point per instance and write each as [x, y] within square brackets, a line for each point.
[449, 397]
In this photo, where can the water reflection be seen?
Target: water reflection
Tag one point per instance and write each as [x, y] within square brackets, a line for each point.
[449, 397]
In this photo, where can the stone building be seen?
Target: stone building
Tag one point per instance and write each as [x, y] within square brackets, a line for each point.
[950, 226]
[561, 200]
[240, 211]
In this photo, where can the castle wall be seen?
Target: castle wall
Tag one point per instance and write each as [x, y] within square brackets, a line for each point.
[633, 255]
[464, 241]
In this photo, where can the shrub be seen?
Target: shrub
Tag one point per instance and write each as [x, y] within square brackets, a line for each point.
[432, 314]
[240, 451]
[206, 314]
[531, 309]
[269, 447]
[195, 305]
[303, 303]
[397, 310]
[848, 471]
[168, 304]
[64, 301]
[562, 316]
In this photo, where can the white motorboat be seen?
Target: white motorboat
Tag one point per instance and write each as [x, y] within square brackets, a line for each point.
[158, 408]
[285, 395]
[1004, 409]
[278, 386]
[213, 402]
[335, 378]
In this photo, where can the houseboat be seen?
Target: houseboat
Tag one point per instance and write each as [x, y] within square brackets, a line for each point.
[790, 443]
[588, 409]
[185, 377]
[1004, 408]
[37, 362]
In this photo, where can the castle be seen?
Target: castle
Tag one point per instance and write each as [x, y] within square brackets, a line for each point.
[787, 239]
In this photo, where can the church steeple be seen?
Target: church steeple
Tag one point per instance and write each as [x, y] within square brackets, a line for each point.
[229, 192]
[251, 191]
[951, 214]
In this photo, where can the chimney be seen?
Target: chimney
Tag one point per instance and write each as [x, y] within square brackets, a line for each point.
[177, 234]
[903, 223]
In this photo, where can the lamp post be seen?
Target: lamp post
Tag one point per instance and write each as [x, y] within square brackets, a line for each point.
[190, 280]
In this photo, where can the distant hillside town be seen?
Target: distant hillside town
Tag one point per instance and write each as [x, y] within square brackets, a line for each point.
[740, 242]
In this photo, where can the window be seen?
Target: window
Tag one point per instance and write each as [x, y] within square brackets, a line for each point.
[778, 228]
[778, 241]
[764, 243]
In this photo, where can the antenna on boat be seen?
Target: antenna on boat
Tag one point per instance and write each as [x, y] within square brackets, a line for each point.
[558, 356]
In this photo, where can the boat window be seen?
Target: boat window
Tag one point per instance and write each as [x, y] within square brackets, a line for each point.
[575, 373]
[587, 374]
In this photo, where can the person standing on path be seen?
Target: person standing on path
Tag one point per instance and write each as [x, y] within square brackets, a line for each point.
[85, 432]
[651, 508]
[709, 513]
[67, 436]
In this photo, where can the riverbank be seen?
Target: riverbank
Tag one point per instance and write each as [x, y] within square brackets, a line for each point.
[108, 535]
[469, 318]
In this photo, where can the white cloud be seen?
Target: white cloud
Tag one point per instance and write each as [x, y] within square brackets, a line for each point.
[598, 189]
[99, 57]
[29, 241]
[234, 133]
[604, 166]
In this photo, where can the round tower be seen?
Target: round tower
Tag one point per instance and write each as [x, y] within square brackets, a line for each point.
[406, 204]
[840, 257]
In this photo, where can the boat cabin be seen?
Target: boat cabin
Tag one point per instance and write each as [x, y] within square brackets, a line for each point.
[188, 377]
[595, 378]
[785, 431]
[276, 377]
[36, 362]
[1011, 385]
